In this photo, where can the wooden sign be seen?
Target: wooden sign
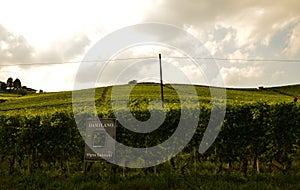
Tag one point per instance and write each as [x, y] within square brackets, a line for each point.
[100, 138]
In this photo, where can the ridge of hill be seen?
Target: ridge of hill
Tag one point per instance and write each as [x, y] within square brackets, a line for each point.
[43, 102]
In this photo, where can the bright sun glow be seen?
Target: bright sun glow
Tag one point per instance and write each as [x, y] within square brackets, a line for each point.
[56, 31]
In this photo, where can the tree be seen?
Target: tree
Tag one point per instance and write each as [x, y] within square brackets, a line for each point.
[3, 86]
[17, 84]
[132, 82]
[10, 83]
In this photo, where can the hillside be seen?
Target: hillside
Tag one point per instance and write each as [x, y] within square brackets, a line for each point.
[42, 141]
[148, 91]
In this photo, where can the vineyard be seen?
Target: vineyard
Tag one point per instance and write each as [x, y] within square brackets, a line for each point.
[260, 136]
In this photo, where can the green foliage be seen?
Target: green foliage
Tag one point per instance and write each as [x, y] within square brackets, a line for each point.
[38, 139]
[251, 133]
[261, 131]
[269, 133]
[22, 92]
[45, 102]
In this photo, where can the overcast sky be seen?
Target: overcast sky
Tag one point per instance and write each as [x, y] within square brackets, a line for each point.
[43, 32]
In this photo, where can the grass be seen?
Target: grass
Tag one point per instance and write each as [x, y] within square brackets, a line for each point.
[142, 180]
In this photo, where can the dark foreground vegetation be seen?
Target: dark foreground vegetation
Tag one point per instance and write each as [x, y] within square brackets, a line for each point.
[165, 178]
[258, 146]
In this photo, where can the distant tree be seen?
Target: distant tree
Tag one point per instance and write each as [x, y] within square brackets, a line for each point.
[3, 86]
[17, 84]
[10, 83]
[132, 82]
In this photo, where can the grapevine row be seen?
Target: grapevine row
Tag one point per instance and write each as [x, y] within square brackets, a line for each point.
[252, 135]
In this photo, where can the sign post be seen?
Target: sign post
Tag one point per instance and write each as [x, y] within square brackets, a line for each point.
[99, 140]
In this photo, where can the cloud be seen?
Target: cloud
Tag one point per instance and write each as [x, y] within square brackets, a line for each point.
[278, 74]
[14, 48]
[233, 29]
[254, 22]
[49, 79]
[228, 29]
[18, 53]
[237, 55]
[293, 43]
[193, 12]
[64, 50]
[246, 76]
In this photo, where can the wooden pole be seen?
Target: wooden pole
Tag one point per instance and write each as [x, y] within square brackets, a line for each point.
[161, 84]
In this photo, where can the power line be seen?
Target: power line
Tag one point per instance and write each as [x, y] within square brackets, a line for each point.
[256, 60]
[73, 62]
[141, 58]
[242, 59]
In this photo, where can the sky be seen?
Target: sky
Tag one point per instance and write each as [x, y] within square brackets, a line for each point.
[43, 43]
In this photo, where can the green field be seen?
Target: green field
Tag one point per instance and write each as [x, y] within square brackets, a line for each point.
[258, 145]
[42, 102]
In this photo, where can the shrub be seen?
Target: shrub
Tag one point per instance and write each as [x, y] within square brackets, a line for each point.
[22, 92]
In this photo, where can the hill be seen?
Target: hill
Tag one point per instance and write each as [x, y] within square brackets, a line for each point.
[43, 102]
[41, 141]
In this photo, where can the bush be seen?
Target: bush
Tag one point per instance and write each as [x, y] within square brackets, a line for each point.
[22, 92]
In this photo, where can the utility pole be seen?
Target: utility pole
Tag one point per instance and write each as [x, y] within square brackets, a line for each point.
[161, 84]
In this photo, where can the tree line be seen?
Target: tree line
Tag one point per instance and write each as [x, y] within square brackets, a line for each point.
[11, 84]
[15, 86]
